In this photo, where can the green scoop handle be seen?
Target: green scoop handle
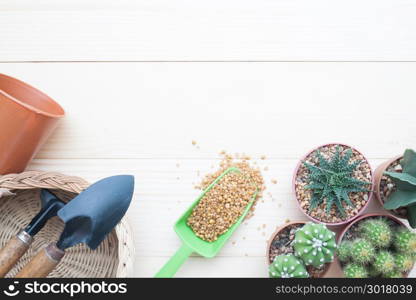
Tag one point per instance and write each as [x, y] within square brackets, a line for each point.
[175, 262]
[191, 242]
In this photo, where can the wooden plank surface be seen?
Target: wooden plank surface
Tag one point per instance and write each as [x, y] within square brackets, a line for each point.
[141, 119]
[281, 110]
[265, 77]
[183, 30]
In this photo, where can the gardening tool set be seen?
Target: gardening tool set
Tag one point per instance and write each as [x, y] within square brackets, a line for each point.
[333, 185]
[28, 117]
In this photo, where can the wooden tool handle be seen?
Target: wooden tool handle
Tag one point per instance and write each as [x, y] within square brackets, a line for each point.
[43, 263]
[13, 251]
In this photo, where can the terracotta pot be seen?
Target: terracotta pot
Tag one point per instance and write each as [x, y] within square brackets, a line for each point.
[393, 218]
[278, 230]
[378, 174]
[370, 194]
[27, 118]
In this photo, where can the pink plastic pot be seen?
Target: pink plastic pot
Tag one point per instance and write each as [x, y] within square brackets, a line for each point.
[370, 194]
[27, 118]
[393, 218]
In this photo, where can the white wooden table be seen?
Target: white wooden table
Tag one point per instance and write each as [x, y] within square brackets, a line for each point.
[141, 79]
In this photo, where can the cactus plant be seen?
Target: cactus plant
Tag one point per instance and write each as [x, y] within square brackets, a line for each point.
[384, 262]
[404, 262]
[344, 251]
[287, 266]
[379, 246]
[362, 251]
[355, 271]
[405, 183]
[332, 181]
[405, 241]
[377, 231]
[315, 244]
[393, 274]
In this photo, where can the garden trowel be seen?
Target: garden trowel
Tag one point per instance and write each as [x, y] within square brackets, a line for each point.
[18, 245]
[88, 218]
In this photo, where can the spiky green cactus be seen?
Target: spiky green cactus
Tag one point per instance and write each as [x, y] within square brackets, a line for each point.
[404, 262]
[344, 251]
[405, 241]
[315, 244]
[393, 274]
[377, 231]
[384, 262]
[355, 271]
[405, 183]
[362, 251]
[332, 181]
[287, 266]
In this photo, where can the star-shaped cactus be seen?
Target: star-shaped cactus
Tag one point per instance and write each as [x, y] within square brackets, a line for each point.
[287, 266]
[315, 244]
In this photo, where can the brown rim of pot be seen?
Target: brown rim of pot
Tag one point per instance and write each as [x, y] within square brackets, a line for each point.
[25, 95]
[370, 194]
[281, 228]
[365, 216]
[378, 174]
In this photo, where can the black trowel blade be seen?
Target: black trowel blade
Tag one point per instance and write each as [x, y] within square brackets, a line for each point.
[91, 215]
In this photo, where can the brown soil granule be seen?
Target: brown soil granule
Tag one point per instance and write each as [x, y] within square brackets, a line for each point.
[222, 206]
[363, 172]
[243, 164]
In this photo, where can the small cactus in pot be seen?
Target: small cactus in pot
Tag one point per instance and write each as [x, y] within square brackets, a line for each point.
[332, 181]
[315, 244]
[287, 266]
[333, 184]
[377, 246]
[317, 239]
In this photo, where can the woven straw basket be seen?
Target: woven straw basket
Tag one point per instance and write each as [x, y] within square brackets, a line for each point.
[113, 258]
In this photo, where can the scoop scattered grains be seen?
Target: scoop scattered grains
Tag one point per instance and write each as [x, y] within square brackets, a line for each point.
[222, 206]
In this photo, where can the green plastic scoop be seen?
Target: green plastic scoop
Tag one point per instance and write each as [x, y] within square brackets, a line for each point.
[192, 243]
